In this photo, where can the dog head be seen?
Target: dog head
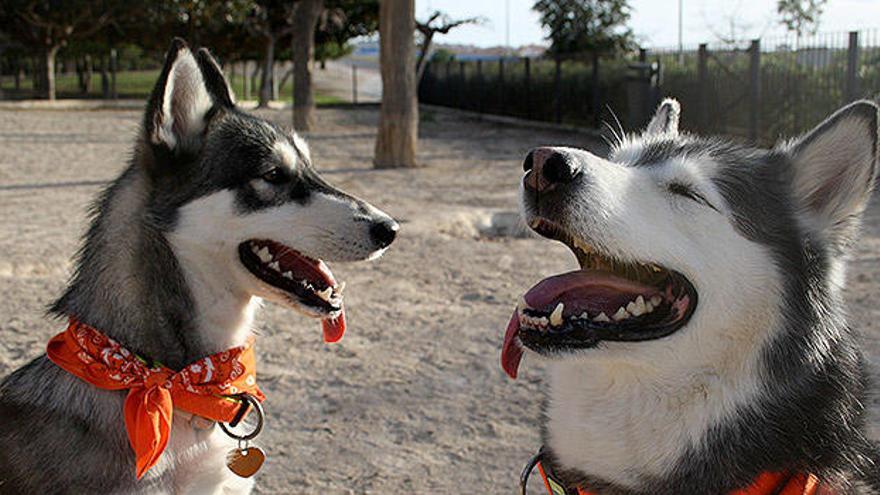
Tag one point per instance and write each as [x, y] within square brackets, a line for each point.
[241, 200]
[685, 245]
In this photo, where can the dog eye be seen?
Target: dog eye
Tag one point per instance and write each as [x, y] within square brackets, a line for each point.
[275, 176]
[688, 192]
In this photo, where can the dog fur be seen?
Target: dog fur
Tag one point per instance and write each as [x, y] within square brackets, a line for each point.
[159, 272]
[767, 375]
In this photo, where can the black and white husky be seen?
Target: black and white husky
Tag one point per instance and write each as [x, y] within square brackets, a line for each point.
[704, 340]
[217, 210]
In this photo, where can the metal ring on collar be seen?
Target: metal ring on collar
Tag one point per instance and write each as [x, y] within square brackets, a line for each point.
[247, 400]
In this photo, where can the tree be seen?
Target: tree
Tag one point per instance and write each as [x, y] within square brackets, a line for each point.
[575, 26]
[48, 25]
[272, 20]
[800, 16]
[305, 19]
[428, 29]
[397, 139]
[341, 21]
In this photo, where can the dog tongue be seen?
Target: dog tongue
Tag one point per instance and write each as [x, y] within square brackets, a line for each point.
[334, 328]
[511, 352]
[579, 290]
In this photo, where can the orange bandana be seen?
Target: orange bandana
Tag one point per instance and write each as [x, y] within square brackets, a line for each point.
[766, 484]
[201, 388]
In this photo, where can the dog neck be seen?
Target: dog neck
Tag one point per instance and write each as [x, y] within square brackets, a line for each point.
[131, 286]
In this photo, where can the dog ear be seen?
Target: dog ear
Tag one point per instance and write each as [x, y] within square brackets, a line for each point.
[184, 98]
[665, 120]
[835, 165]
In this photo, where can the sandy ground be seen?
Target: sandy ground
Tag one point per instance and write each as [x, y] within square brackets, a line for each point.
[413, 399]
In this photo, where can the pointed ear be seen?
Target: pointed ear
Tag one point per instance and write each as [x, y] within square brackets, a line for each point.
[665, 120]
[835, 165]
[214, 79]
[183, 99]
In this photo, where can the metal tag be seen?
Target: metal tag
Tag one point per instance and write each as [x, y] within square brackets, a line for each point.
[245, 462]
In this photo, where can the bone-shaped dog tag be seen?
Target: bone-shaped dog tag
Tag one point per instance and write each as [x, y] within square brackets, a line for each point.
[245, 462]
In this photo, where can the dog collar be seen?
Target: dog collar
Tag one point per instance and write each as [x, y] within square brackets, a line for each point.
[766, 484]
[211, 387]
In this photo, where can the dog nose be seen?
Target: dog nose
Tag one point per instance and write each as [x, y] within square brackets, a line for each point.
[384, 232]
[547, 167]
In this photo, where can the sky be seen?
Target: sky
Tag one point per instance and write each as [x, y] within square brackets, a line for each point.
[655, 22]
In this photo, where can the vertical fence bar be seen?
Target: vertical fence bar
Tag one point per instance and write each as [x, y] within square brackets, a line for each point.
[527, 68]
[480, 91]
[851, 91]
[557, 89]
[754, 90]
[461, 85]
[703, 85]
[354, 84]
[597, 101]
[501, 109]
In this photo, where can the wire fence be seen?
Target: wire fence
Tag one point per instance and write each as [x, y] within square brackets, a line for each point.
[759, 90]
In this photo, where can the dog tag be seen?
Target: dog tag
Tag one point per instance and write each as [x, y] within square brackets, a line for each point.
[245, 462]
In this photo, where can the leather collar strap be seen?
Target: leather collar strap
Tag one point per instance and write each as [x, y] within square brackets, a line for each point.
[766, 484]
[154, 391]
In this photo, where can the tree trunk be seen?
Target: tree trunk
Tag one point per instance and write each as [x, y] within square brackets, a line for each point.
[268, 73]
[48, 71]
[423, 57]
[399, 117]
[305, 18]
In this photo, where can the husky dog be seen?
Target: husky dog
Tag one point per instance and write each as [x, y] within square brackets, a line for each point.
[704, 339]
[217, 210]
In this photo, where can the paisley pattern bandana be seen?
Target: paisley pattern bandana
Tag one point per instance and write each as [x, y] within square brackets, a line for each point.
[202, 388]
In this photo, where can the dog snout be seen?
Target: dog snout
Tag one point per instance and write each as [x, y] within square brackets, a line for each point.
[545, 168]
[384, 231]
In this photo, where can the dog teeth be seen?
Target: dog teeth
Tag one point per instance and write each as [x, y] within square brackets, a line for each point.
[637, 307]
[288, 275]
[325, 294]
[275, 266]
[556, 315]
[620, 315]
[602, 318]
[656, 300]
[265, 255]
[584, 316]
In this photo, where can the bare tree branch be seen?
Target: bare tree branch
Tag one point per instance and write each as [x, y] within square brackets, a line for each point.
[428, 29]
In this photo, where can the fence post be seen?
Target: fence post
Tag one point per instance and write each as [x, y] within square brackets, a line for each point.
[501, 108]
[480, 86]
[852, 68]
[755, 90]
[643, 55]
[597, 101]
[528, 75]
[461, 85]
[703, 85]
[113, 68]
[354, 84]
[557, 89]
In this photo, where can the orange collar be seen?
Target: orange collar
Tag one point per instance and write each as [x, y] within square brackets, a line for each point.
[201, 388]
[766, 484]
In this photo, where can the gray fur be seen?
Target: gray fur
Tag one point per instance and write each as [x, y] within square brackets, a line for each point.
[68, 436]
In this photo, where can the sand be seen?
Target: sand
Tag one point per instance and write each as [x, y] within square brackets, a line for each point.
[413, 399]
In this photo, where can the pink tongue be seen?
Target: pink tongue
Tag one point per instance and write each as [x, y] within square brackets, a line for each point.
[582, 290]
[511, 352]
[579, 290]
[334, 328]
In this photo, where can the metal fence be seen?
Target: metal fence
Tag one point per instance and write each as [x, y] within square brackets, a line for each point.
[757, 89]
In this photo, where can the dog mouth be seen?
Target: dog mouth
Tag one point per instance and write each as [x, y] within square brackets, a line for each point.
[300, 279]
[606, 300]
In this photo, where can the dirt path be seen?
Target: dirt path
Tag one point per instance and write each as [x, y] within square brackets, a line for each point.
[413, 399]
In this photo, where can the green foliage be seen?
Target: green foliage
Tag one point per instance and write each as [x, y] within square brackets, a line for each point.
[800, 16]
[342, 21]
[442, 56]
[576, 26]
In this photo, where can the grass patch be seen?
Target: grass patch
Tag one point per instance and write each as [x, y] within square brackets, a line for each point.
[135, 85]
